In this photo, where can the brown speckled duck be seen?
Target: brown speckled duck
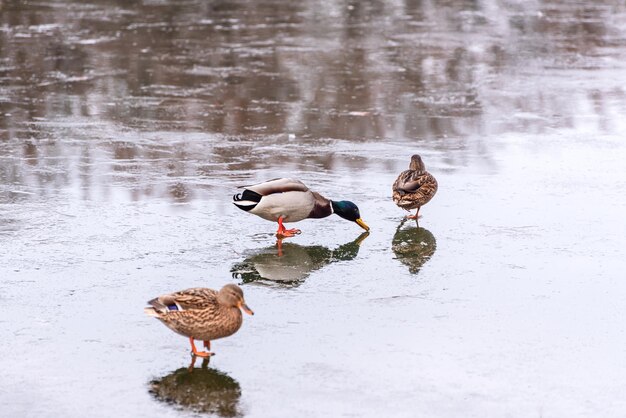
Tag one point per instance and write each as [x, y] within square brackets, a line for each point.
[290, 200]
[201, 314]
[414, 187]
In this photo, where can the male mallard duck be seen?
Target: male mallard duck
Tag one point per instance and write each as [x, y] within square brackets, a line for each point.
[414, 187]
[289, 200]
[201, 313]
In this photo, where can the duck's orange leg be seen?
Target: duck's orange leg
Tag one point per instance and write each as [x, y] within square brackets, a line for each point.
[195, 352]
[284, 232]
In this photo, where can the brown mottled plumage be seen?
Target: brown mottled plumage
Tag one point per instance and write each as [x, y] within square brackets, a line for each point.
[414, 187]
[200, 313]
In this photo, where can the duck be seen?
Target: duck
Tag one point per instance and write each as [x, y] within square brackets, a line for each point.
[201, 314]
[414, 187]
[289, 200]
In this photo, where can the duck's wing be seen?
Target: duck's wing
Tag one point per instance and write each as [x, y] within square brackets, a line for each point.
[280, 185]
[252, 195]
[411, 181]
[194, 298]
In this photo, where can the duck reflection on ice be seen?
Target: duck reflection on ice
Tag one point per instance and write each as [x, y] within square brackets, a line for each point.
[413, 246]
[289, 264]
[201, 390]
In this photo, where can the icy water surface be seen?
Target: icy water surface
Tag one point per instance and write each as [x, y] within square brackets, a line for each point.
[126, 127]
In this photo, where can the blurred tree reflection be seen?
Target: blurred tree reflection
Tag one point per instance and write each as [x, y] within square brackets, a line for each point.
[130, 79]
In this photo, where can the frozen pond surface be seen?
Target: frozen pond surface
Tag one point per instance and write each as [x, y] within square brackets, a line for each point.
[125, 128]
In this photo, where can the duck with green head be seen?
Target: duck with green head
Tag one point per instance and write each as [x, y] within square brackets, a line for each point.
[288, 200]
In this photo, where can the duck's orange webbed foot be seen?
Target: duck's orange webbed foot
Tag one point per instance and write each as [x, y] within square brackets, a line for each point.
[416, 216]
[284, 232]
[288, 233]
[203, 354]
[204, 365]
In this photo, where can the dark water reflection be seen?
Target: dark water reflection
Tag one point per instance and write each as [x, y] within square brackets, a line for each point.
[200, 389]
[148, 95]
[413, 245]
[288, 263]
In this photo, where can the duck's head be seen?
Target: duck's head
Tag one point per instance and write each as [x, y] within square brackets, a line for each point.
[231, 295]
[417, 164]
[348, 210]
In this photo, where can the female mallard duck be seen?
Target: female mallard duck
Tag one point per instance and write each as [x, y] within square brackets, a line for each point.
[201, 313]
[289, 200]
[414, 187]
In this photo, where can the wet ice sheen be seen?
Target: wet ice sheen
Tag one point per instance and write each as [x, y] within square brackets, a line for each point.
[125, 128]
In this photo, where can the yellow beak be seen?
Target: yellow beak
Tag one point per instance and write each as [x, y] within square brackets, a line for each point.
[362, 224]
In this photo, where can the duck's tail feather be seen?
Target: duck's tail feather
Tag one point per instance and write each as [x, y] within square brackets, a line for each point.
[246, 200]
